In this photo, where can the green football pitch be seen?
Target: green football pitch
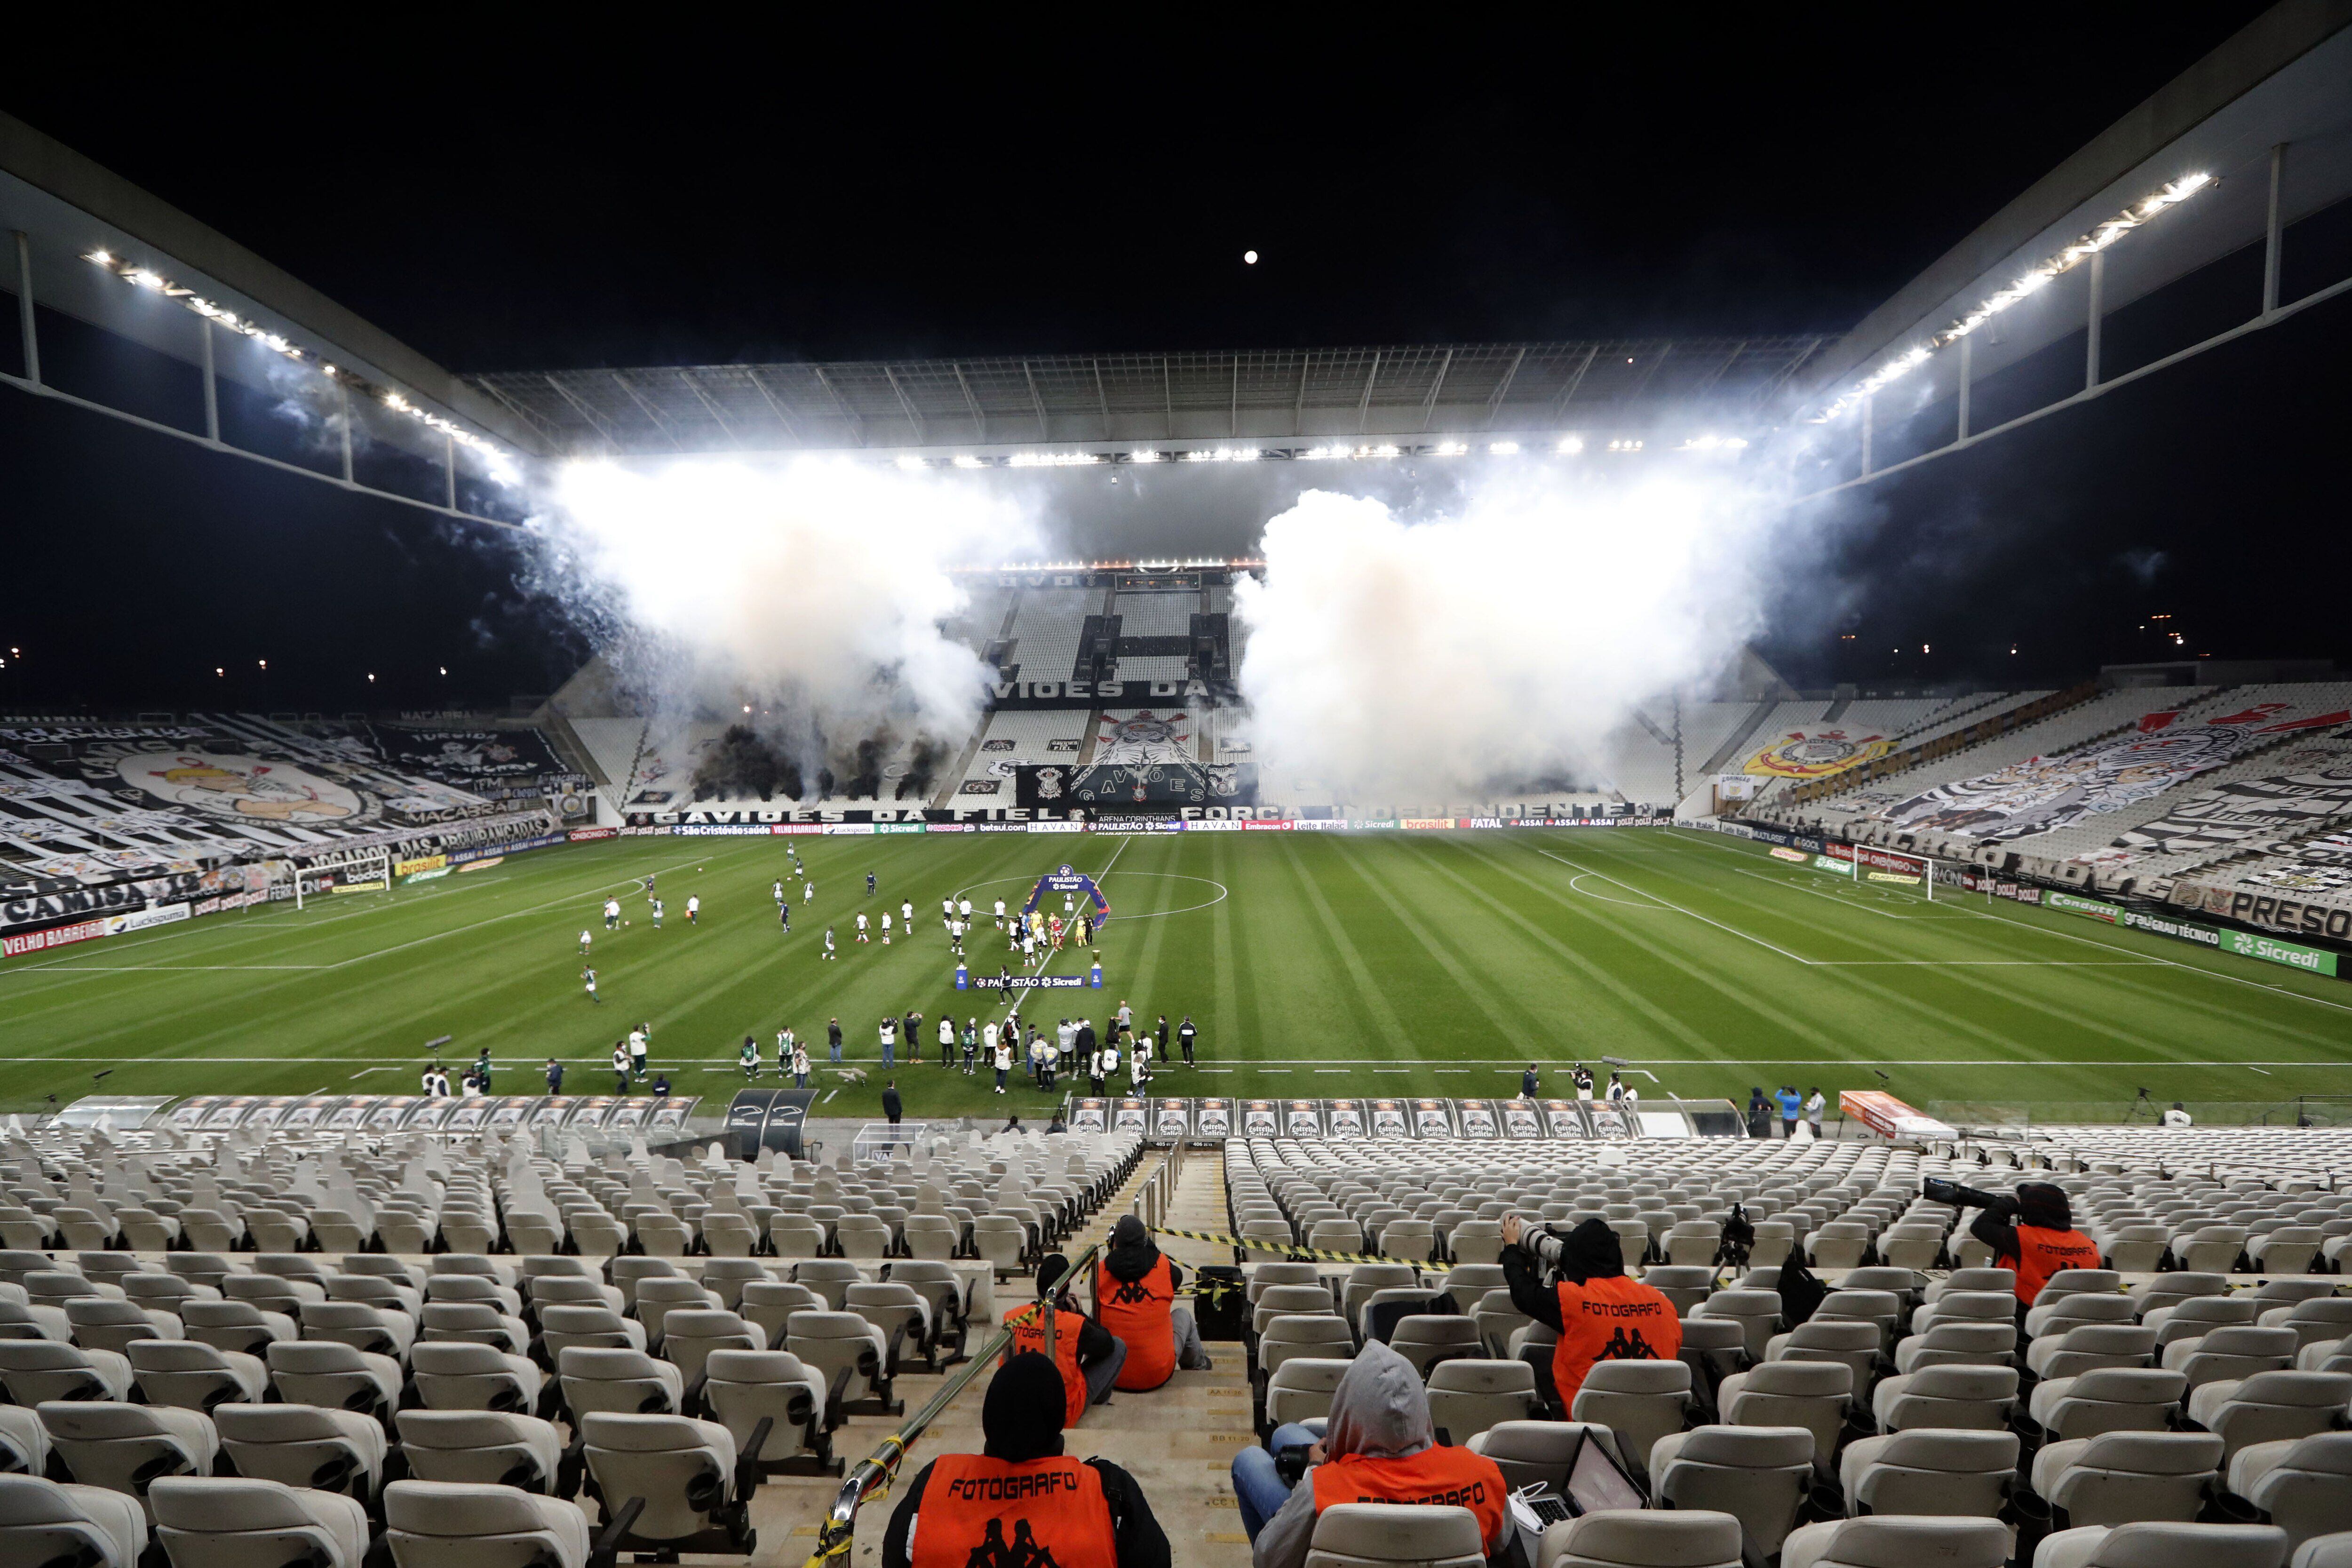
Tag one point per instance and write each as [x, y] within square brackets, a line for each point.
[1314, 965]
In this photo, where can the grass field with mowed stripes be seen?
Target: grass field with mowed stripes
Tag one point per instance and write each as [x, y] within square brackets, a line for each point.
[1314, 965]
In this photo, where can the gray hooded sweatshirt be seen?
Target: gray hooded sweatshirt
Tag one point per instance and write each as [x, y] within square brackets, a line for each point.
[1380, 1409]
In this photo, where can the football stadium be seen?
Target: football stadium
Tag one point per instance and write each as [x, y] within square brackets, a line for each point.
[1687, 907]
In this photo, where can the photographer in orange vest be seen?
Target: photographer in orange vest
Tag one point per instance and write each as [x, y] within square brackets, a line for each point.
[1378, 1447]
[1598, 1313]
[1135, 1297]
[1087, 1356]
[1021, 1498]
[2032, 1232]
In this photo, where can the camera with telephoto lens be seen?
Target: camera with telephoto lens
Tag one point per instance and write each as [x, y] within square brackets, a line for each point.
[1738, 1238]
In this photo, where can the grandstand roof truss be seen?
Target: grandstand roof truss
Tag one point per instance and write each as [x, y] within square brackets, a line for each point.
[1398, 394]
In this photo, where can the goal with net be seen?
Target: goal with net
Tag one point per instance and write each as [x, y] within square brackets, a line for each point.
[1893, 868]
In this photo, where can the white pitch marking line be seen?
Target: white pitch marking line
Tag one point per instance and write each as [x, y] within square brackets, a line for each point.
[1694, 914]
[1991, 912]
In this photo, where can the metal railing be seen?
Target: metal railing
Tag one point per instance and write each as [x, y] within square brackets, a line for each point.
[1157, 1197]
[872, 1476]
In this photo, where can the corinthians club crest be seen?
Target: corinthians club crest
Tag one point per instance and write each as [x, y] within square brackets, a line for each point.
[1049, 783]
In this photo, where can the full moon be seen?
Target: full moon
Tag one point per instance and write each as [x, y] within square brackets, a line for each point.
[1249, 258]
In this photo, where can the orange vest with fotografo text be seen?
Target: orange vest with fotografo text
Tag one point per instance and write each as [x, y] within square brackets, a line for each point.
[1613, 1318]
[978, 1510]
[2042, 1253]
[1454, 1477]
[1028, 1326]
[1137, 1312]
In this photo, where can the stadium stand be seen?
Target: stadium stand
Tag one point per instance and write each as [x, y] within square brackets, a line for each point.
[1016, 738]
[1046, 627]
[353, 1368]
[1909, 1400]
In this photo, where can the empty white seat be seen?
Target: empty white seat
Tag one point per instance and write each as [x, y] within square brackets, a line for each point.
[2109, 1399]
[742, 1386]
[459, 1374]
[1301, 1388]
[305, 1445]
[333, 1375]
[2270, 1405]
[1684, 1538]
[1362, 1534]
[1976, 1398]
[195, 1377]
[1811, 1394]
[122, 1447]
[685, 1471]
[236, 1522]
[1641, 1401]
[1898, 1541]
[1756, 1473]
[622, 1382]
[44, 1521]
[37, 1370]
[2118, 1477]
[1928, 1470]
[1467, 1396]
[447, 1524]
[2087, 1347]
[2149, 1545]
[481, 1447]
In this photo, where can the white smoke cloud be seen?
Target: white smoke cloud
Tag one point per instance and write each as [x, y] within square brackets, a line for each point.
[817, 585]
[1498, 643]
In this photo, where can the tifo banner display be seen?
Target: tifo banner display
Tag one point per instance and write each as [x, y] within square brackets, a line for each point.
[2045, 792]
[1816, 750]
[2312, 788]
[490, 764]
[87, 809]
[1139, 738]
[1172, 782]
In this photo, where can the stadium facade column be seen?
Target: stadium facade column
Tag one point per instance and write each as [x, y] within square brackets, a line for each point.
[1968, 360]
[2093, 317]
[25, 308]
[212, 390]
[2271, 233]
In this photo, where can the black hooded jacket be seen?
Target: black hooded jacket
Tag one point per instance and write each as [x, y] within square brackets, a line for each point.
[1131, 1253]
[2040, 1205]
[1588, 1252]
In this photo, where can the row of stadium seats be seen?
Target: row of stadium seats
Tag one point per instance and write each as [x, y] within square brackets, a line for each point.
[1004, 1199]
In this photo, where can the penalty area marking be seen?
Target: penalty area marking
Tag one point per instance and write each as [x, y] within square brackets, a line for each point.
[1574, 885]
[1992, 913]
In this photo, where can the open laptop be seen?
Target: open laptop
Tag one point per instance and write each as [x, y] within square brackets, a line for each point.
[1597, 1482]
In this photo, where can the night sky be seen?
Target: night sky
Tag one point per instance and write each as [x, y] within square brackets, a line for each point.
[944, 188]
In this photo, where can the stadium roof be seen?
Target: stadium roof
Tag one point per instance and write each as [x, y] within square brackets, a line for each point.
[2220, 162]
[1272, 396]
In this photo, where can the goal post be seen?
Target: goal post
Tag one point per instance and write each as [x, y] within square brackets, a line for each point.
[369, 872]
[1898, 868]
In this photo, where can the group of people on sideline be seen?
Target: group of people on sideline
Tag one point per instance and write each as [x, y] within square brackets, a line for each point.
[1788, 1107]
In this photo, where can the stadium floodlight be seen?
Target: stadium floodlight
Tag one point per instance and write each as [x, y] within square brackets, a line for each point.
[1570, 446]
[1504, 449]
[1383, 450]
[966, 461]
[1143, 455]
[912, 463]
[2030, 282]
[1451, 449]
[1053, 460]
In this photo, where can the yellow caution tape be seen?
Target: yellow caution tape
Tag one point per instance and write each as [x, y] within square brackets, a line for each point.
[1295, 1253]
